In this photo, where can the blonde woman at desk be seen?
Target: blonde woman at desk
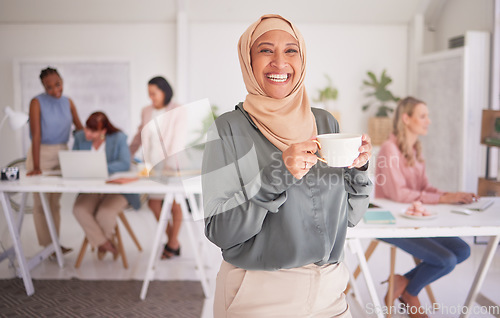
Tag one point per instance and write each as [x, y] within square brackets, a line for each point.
[405, 180]
[51, 116]
[97, 212]
[161, 93]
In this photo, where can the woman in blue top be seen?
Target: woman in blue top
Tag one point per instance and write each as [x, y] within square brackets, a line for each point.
[97, 212]
[51, 117]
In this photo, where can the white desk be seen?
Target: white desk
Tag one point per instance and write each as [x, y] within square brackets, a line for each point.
[174, 188]
[486, 223]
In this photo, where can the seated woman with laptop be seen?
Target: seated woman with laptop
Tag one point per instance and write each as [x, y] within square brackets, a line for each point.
[97, 212]
[405, 180]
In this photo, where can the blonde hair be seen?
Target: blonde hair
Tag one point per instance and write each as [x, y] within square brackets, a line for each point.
[406, 106]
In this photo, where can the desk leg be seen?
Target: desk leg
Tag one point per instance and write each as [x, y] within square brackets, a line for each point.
[160, 230]
[52, 229]
[21, 259]
[355, 245]
[20, 214]
[192, 239]
[481, 273]
[18, 224]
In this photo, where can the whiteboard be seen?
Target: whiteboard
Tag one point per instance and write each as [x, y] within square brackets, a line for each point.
[92, 85]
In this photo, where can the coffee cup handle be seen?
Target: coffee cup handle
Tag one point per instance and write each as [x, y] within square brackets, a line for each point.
[319, 147]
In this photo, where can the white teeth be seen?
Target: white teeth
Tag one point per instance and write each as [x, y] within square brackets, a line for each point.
[278, 77]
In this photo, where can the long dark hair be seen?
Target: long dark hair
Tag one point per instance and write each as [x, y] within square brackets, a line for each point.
[164, 86]
[98, 121]
[48, 71]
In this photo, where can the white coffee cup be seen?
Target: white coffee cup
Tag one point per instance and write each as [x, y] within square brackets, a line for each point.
[339, 150]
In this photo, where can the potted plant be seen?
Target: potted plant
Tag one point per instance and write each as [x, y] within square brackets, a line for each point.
[328, 94]
[327, 97]
[379, 126]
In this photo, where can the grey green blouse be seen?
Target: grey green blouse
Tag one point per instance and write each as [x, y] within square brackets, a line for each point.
[260, 215]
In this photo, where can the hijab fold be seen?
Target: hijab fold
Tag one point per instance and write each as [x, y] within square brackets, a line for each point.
[282, 121]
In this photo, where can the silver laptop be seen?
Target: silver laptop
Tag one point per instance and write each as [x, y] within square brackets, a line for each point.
[83, 164]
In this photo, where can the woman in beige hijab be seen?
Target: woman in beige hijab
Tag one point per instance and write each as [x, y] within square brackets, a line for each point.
[278, 214]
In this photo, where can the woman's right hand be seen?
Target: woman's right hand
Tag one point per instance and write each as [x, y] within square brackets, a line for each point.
[458, 197]
[34, 172]
[299, 158]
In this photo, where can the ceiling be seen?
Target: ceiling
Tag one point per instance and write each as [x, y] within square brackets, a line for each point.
[160, 11]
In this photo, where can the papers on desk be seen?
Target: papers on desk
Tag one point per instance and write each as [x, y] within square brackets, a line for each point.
[379, 217]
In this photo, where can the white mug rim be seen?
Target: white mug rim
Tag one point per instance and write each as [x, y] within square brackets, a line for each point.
[339, 136]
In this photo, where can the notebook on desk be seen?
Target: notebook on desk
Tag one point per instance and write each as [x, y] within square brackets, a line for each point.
[377, 216]
[83, 164]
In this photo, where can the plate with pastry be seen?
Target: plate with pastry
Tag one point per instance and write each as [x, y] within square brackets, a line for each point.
[417, 211]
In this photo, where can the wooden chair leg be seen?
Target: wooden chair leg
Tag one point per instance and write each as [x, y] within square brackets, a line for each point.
[83, 249]
[390, 301]
[121, 250]
[430, 293]
[428, 288]
[119, 243]
[129, 230]
[368, 253]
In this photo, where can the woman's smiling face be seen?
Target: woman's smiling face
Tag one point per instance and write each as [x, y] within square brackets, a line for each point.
[276, 63]
[53, 85]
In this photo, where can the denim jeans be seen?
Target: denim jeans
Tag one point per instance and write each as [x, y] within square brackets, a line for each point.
[439, 255]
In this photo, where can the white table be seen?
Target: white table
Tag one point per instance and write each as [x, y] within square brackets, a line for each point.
[447, 223]
[173, 188]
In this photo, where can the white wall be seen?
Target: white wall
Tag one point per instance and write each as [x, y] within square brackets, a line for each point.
[343, 51]
[148, 47]
[214, 69]
[459, 16]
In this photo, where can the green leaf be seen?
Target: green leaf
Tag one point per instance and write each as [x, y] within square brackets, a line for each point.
[373, 77]
[383, 95]
[393, 98]
[378, 89]
[366, 83]
[328, 93]
[385, 81]
[365, 107]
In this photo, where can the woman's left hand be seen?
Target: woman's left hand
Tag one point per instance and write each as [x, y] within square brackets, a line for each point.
[365, 152]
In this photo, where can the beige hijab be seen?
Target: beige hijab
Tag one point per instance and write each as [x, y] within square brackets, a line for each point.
[282, 121]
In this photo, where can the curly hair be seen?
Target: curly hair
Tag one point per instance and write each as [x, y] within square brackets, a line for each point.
[406, 106]
[48, 71]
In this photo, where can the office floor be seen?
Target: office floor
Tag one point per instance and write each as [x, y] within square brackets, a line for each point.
[450, 291]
